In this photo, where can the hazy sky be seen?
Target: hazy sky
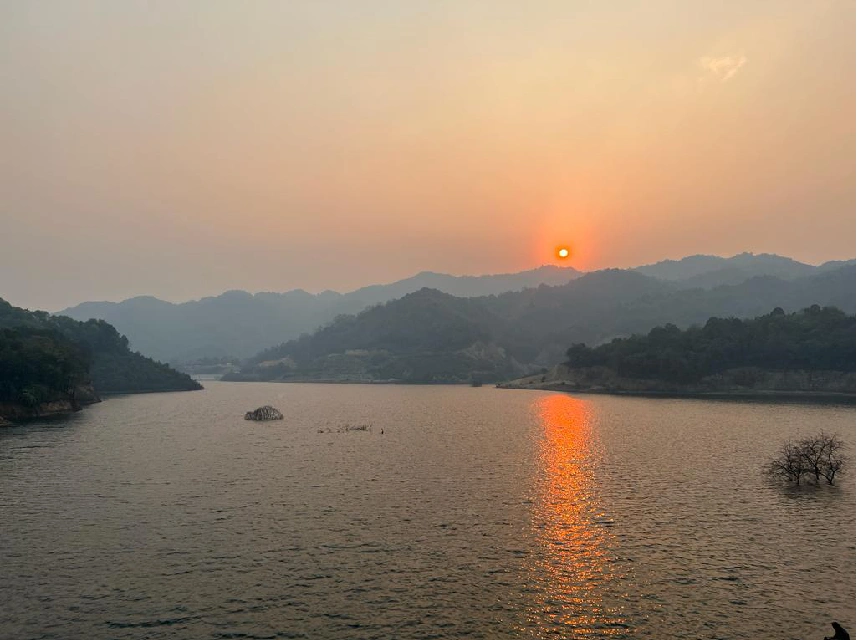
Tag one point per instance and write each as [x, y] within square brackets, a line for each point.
[179, 148]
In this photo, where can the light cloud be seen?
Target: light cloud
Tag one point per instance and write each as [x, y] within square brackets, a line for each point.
[724, 68]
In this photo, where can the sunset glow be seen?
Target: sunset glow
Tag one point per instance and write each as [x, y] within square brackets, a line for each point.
[298, 126]
[454, 318]
[576, 561]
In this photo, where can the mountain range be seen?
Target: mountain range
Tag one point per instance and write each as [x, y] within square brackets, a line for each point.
[238, 324]
[430, 336]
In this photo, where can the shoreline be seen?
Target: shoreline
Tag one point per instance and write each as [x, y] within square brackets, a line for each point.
[14, 414]
[761, 394]
[110, 394]
[366, 382]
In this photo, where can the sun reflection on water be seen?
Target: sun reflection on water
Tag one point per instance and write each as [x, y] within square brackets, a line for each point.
[575, 565]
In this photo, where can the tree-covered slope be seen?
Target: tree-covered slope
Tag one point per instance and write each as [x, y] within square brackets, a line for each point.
[40, 365]
[111, 365]
[813, 339]
[240, 324]
[527, 329]
[427, 336]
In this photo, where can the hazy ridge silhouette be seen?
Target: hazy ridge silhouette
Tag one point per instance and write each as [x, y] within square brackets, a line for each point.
[240, 324]
[432, 336]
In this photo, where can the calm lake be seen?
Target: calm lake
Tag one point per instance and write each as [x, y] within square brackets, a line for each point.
[477, 513]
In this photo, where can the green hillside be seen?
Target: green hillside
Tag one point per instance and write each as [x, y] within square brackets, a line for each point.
[112, 367]
[429, 336]
[40, 365]
[813, 339]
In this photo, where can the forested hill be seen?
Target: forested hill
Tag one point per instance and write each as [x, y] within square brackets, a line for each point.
[813, 339]
[104, 353]
[238, 324]
[427, 336]
[39, 366]
[430, 336]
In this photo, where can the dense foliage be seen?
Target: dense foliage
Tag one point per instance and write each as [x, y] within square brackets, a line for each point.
[812, 339]
[38, 365]
[432, 336]
[100, 349]
[128, 372]
[426, 321]
[427, 336]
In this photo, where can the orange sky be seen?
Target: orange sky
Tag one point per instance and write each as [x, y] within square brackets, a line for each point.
[181, 149]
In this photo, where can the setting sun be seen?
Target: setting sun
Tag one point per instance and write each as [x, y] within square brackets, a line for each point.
[563, 252]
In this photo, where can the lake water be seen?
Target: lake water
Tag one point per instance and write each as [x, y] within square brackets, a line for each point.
[478, 513]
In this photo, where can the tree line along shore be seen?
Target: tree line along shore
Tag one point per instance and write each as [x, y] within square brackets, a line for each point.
[810, 353]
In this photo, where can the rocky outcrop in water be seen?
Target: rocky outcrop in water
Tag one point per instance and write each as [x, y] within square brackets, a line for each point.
[264, 413]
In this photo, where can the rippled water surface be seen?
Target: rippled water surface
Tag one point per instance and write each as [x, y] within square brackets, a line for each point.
[477, 513]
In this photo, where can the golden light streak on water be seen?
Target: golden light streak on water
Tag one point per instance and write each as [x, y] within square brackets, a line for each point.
[575, 566]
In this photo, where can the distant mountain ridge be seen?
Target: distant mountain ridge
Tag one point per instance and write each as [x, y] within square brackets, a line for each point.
[239, 324]
[692, 268]
[430, 336]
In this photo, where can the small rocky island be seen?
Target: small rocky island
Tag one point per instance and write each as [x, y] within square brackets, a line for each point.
[264, 413]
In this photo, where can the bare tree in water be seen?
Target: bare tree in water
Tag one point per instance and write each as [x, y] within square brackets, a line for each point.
[788, 464]
[834, 459]
[818, 456]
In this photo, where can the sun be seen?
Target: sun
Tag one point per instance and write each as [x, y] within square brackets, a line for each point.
[562, 252]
